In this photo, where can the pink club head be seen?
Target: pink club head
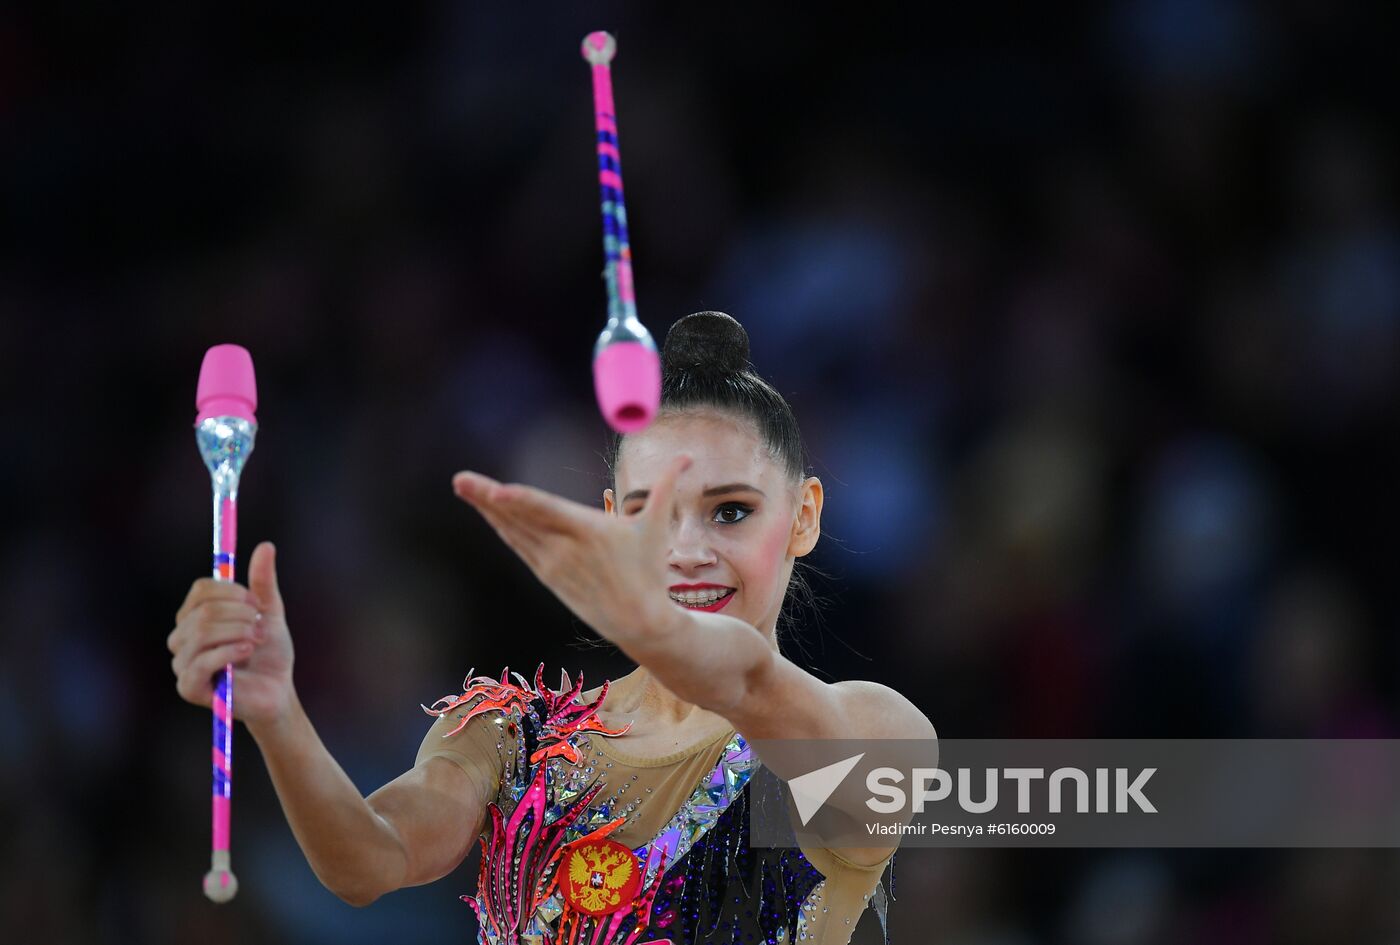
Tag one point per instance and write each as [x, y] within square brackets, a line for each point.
[627, 380]
[226, 387]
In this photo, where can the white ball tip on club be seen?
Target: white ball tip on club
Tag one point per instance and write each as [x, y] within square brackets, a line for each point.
[220, 885]
[599, 48]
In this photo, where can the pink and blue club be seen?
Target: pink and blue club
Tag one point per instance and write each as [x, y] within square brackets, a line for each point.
[225, 428]
[626, 366]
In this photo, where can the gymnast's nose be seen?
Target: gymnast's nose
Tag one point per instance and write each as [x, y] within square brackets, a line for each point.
[690, 547]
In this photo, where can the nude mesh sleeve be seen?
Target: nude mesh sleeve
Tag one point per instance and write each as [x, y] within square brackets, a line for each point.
[479, 749]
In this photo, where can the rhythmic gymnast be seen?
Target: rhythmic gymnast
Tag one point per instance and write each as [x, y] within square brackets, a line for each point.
[616, 815]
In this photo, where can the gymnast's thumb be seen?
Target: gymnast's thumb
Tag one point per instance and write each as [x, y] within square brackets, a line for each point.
[262, 579]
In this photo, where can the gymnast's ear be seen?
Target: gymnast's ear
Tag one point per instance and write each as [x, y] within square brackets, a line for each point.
[608, 501]
[807, 522]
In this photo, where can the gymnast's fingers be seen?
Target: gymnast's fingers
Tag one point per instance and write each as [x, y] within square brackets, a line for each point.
[515, 534]
[483, 494]
[207, 589]
[192, 629]
[663, 493]
[473, 486]
[547, 510]
[544, 510]
[193, 683]
[213, 635]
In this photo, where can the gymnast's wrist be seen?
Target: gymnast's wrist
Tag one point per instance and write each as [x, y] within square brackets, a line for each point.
[657, 632]
[280, 729]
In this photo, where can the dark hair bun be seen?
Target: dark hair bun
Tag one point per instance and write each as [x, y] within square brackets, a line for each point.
[706, 343]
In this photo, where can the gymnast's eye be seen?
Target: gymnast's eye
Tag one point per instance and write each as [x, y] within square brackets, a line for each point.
[733, 507]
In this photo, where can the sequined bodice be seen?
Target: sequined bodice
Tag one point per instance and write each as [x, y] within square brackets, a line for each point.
[697, 878]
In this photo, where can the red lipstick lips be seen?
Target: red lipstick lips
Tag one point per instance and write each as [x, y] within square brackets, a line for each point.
[717, 605]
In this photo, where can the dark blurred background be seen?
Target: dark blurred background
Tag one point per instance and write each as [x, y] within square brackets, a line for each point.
[1090, 319]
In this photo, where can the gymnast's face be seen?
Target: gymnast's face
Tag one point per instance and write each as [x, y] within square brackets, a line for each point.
[744, 539]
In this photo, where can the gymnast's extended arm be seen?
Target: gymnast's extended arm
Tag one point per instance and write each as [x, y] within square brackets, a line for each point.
[411, 831]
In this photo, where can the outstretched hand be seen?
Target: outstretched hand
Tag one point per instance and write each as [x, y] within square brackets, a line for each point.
[610, 570]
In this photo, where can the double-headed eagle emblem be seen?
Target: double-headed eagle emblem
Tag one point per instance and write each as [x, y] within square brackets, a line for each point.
[602, 877]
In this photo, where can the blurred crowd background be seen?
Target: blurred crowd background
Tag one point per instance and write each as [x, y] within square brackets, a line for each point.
[1090, 318]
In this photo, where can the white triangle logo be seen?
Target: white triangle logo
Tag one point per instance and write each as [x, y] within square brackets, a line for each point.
[810, 791]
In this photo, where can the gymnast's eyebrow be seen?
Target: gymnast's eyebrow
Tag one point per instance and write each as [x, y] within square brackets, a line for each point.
[713, 490]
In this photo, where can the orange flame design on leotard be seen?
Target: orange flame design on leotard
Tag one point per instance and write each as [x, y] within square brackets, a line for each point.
[564, 714]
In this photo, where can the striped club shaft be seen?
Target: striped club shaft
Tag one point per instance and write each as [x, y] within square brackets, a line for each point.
[225, 546]
[616, 249]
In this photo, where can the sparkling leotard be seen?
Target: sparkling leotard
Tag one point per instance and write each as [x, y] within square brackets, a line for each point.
[560, 780]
